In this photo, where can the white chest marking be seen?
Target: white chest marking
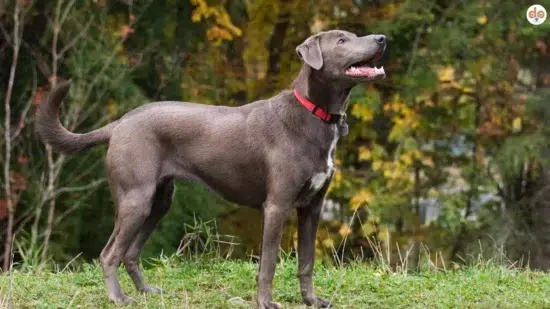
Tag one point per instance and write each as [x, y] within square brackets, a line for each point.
[319, 179]
[332, 148]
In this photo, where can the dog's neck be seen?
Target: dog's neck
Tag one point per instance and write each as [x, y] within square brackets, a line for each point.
[322, 92]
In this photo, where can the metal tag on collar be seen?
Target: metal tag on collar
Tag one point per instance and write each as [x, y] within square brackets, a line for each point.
[343, 126]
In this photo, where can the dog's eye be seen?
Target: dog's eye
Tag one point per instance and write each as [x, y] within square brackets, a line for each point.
[341, 41]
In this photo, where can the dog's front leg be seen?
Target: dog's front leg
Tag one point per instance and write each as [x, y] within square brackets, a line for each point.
[275, 217]
[308, 220]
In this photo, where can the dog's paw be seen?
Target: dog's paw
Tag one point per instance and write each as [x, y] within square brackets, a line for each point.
[122, 300]
[151, 289]
[269, 305]
[318, 302]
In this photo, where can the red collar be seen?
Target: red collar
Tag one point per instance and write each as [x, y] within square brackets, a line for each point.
[316, 110]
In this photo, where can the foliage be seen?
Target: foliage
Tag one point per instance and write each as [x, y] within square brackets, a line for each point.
[458, 127]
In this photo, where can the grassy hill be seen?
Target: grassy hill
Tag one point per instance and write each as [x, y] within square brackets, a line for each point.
[200, 283]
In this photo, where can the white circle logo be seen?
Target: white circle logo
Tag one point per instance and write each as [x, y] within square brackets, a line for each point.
[536, 14]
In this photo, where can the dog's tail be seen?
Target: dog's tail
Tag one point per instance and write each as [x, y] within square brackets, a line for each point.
[51, 131]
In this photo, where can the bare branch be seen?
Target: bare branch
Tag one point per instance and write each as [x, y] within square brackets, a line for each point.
[66, 12]
[76, 38]
[77, 189]
[52, 175]
[21, 122]
[6, 35]
[415, 48]
[17, 33]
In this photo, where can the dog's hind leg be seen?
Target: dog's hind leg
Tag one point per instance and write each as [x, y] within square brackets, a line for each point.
[161, 204]
[133, 208]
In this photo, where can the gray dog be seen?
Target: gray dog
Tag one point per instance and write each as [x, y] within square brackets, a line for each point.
[275, 155]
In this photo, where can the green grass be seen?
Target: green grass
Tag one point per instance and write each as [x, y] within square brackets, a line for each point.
[209, 284]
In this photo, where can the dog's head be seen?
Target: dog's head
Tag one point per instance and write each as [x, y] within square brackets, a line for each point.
[342, 56]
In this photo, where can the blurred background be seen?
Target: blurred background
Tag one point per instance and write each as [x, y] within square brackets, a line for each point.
[447, 158]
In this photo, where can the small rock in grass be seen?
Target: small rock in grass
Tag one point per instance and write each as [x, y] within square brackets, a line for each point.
[236, 300]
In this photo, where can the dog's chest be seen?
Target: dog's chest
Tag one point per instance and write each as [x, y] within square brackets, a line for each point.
[319, 179]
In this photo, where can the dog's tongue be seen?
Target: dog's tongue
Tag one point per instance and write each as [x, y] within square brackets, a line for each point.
[366, 71]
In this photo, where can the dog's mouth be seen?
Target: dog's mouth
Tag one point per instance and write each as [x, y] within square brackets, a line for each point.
[367, 69]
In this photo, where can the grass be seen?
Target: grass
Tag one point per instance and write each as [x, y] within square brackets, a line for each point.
[201, 276]
[199, 283]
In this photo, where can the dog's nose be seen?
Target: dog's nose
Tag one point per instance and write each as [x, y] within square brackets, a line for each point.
[380, 39]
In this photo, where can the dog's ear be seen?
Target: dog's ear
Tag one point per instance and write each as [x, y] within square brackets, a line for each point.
[310, 52]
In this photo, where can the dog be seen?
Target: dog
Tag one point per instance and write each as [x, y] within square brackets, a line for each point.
[275, 155]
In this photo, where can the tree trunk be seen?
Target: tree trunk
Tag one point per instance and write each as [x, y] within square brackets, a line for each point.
[540, 250]
[275, 47]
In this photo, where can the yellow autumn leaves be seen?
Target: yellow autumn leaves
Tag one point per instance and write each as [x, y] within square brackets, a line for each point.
[222, 28]
[482, 20]
[404, 118]
[362, 198]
